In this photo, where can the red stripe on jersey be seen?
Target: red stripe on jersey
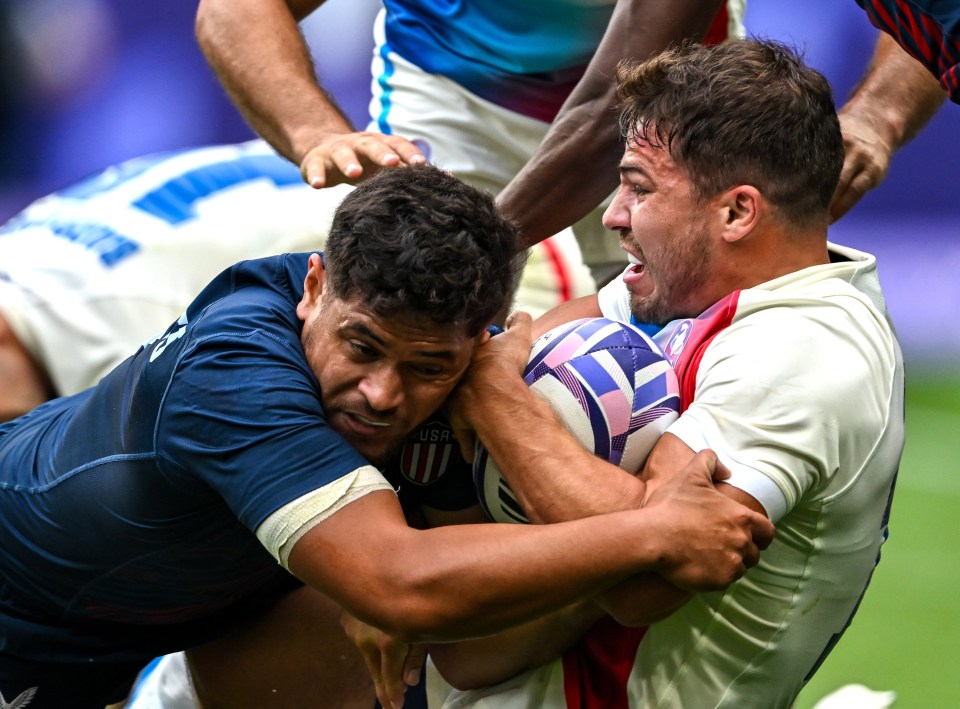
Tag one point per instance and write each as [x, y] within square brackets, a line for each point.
[685, 341]
[931, 30]
[406, 458]
[718, 28]
[559, 269]
[596, 669]
[924, 43]
[883, 20]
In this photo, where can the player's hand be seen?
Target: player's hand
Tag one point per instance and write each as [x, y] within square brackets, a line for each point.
[709, 540]
[508, 351]
[352, 157]
[497, 363]
[392, 665]
[868, 147]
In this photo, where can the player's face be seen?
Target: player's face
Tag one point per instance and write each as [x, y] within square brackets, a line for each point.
[664, 229]
[380, 378]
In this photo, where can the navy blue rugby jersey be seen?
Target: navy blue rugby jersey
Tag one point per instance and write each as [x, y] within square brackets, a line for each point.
[135, 501]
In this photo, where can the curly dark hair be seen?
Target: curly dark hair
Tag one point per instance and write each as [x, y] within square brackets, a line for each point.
[742, 112]
[418, 242]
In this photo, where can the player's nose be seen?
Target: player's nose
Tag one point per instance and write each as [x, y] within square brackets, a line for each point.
[382, 387]
[616, 216]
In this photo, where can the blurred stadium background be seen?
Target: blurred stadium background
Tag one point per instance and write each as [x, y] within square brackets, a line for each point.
[87, 83]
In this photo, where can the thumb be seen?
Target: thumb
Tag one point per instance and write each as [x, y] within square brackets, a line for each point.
[467, 439]
[719, 471]
[413, 665]
[705, 468]
[519, 320]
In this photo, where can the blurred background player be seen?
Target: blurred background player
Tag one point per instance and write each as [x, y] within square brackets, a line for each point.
[91, 272]
[472, 86]
[895, 98]
[477, 87]
[929, 30]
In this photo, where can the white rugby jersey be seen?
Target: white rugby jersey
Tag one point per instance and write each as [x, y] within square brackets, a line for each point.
[797, 384]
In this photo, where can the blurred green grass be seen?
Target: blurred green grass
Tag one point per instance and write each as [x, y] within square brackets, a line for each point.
[906, 636]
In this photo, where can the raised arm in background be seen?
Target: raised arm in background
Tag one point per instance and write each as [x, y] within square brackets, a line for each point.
[574, 169]
[261, 58]
[893, 101]
[258, 53]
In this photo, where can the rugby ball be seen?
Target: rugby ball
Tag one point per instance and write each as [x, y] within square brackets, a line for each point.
[610, 386]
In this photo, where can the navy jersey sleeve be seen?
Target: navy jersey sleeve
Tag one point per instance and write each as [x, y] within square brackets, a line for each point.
[242, 409]
[249, 424]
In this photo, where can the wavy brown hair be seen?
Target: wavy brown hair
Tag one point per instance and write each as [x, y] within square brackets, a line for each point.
[742, 112]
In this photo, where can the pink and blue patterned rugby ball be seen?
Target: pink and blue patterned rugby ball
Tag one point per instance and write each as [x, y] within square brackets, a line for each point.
[611, 387]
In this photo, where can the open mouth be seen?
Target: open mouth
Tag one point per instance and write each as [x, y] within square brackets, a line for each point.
[354, 425]
[368, 422]
[635, 276]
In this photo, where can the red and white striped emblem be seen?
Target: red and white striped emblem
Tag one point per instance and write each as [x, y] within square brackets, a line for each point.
[429, 452]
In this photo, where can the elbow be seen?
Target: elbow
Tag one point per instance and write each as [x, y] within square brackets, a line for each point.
[459, 675]
[635, 609]
[202, 25]
[413, 610]
[632, 617]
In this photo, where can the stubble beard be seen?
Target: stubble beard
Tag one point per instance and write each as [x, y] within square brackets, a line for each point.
[687, 267]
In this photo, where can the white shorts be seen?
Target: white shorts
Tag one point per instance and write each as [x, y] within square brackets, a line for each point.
[480, 142]
[164, 685]
[539, 688]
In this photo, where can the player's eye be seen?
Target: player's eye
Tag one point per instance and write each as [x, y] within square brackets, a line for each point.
[361, 349]
[430, 371]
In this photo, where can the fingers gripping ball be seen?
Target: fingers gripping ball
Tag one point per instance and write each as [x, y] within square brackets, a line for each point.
[610, 386]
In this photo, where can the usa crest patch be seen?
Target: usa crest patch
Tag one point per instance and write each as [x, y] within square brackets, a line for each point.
[429, 452]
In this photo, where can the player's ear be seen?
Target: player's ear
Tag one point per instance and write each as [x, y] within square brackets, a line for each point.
[740, 209]
[312, 287]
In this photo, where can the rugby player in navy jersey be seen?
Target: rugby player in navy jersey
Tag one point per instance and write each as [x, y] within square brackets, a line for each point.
[228, 461]
[91, 271]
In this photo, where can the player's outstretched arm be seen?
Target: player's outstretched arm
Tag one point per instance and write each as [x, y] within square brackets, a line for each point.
[896, 97]
[575, 167]
[636, 601]
[259, 55]
[464, 581]
[538, 448]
